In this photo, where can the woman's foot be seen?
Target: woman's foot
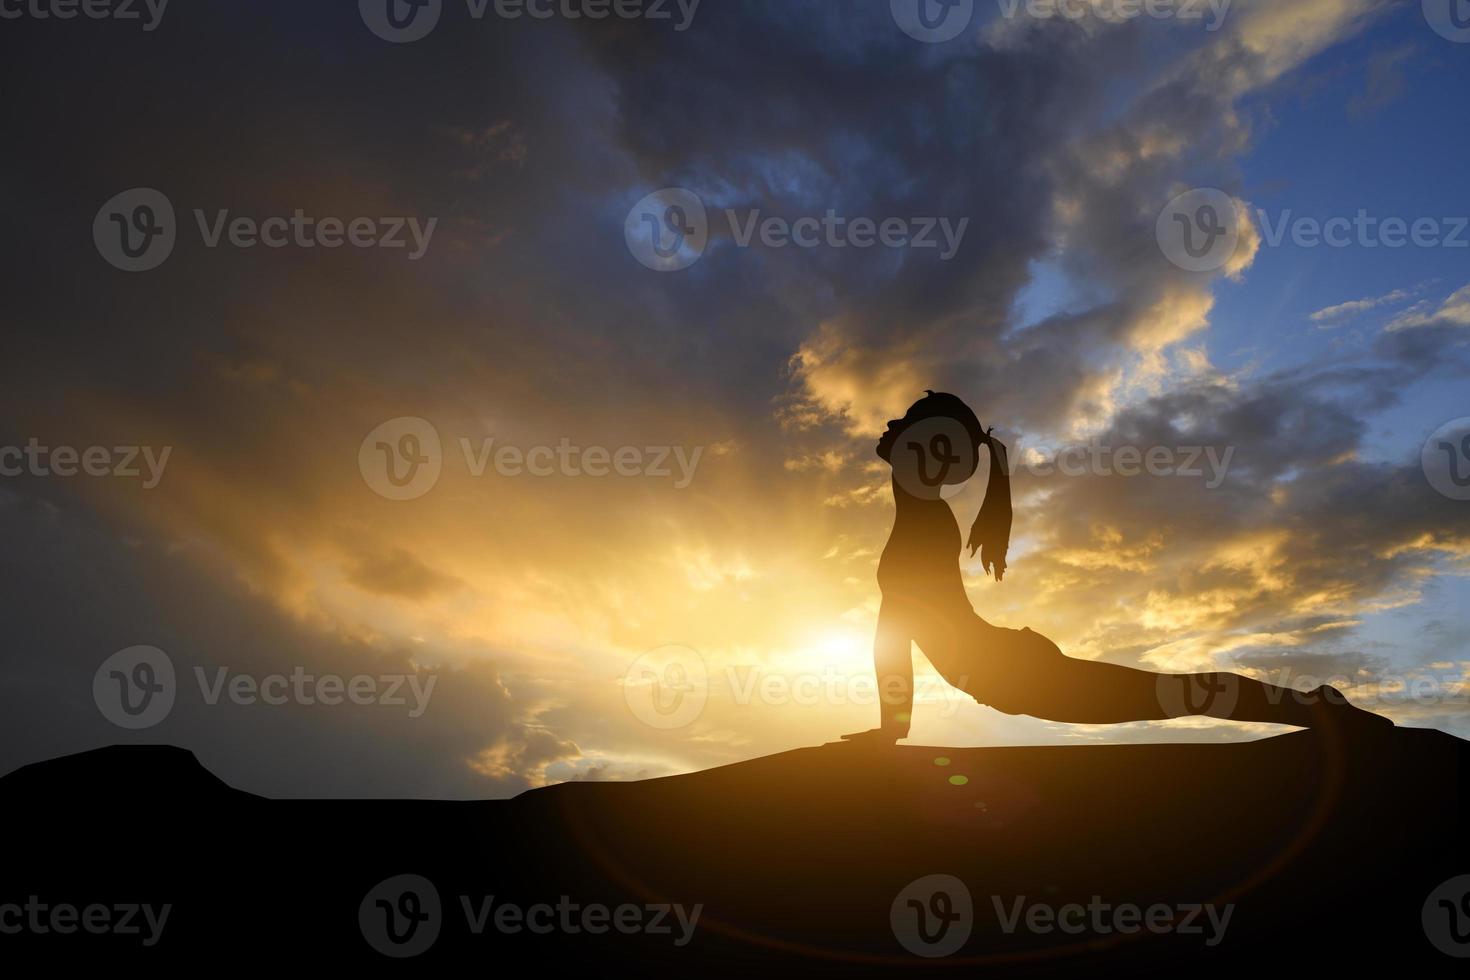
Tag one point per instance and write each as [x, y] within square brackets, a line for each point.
[1332, 709]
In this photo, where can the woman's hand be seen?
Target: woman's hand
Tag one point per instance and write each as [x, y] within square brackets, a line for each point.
[995, 445]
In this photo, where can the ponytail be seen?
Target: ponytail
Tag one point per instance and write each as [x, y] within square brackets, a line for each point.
[991, 532]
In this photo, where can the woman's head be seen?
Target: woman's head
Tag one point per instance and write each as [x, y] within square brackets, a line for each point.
[939, 436]
[936, 445]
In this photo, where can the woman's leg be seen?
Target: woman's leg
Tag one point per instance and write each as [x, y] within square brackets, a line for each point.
[1039, 680]
[1086, 692]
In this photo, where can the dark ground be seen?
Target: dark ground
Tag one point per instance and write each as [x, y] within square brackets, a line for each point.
[1326, 853]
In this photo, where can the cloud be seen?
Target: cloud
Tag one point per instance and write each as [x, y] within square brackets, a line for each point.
[1385, 82]
[398, 573]
[1454, 311]
[1301, 536]
[529, 750]
[1329, 316]
[91, 594]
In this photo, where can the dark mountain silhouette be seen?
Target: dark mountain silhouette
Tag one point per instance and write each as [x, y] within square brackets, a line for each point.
[118, 773]
[1325, 854]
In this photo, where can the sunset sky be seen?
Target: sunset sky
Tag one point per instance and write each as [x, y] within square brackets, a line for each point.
[1322, 551]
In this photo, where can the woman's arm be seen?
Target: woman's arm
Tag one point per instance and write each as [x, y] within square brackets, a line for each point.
[893, 661]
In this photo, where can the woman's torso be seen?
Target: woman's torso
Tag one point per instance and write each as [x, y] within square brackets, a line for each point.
[919, 575]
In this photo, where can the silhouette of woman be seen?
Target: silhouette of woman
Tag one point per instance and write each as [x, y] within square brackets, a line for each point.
[1019, 672]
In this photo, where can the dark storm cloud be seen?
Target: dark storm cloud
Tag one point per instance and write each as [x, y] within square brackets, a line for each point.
[1299, 537]
[794, 109]
[75, 594]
